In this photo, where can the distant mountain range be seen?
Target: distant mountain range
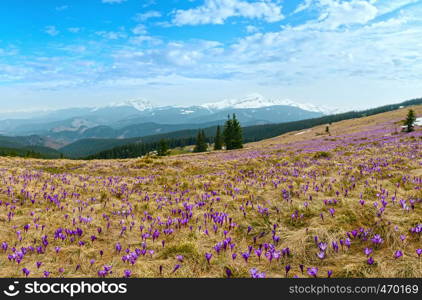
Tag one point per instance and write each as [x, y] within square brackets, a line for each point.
[140, 118]
[83, 132]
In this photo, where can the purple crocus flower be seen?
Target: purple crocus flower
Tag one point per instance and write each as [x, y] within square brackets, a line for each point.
[256, 274]
[367, 251]
[377, 239]
[179, 258]
[4, 246]
[258, 253]
[26, 272]
[208, 257]
[287, 269]
[229, 273]
[398, 254]
[46, 274]
[329, 273]
[38, 264]
[312, 271]
[176, 267]
[419, 252]
[127, 273]
[245, 256]
[370, 261]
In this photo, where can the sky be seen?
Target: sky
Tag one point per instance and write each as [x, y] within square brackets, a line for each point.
[341, 53]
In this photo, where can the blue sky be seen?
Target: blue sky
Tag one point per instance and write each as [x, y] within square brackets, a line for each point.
[343, 53]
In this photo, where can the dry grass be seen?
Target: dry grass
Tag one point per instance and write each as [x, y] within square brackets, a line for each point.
[150, 191]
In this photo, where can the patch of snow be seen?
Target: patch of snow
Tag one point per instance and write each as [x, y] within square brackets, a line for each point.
[187, 112]
[258, 101]
[140, 104]
[302, 132]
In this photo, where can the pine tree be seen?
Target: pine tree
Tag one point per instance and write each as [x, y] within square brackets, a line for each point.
[218, 141]
[201, 144]
[163, 148]
[233, 138]
[410, 120]
[228, 133]
[237, 134]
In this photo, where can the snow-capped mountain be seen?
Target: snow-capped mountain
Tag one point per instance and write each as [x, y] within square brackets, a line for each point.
[258, 101]
[139, 104]
[130, 118]
[251, 101]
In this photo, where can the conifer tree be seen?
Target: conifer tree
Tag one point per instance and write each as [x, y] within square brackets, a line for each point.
[237, 134]
[201, 144]
[410, 120]
[233, 138]
[163, 148]
[218, 141]
[228, 133]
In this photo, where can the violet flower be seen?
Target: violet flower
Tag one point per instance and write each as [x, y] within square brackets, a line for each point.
[312, 271]
[208, 257]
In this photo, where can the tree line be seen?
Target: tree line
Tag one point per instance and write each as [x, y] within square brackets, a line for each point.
[231, 137]
[225, 137]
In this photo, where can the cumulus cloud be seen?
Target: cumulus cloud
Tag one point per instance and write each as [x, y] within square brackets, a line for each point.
[386, 6]
[142, 17]
[303, 6]
[51, 30]
[74, 29]
[218, 11]
[338, 13]
[139, 29]
[111, 35]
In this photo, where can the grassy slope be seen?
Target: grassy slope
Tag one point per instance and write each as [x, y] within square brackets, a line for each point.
[365, 156]
[87, 147]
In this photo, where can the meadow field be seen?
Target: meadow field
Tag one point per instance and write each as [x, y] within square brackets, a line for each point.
[343, 203]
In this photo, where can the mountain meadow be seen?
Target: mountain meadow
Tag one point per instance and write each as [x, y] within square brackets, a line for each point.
[334, 198]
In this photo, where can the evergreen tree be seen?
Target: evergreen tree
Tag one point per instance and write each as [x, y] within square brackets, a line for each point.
[228, 133]
[201, 144]
[218, 141]
[410, 120]
[233, 138]
[163, 148]
[237, 134]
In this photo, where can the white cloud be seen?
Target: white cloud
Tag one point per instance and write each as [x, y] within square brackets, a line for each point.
[139, 29]
[386, 6]
[111, 35]
[142, 17]
[74, 29]
[251, 29]
[62, 7]
[338, 13]
[51, 30]
[303, 6]
[218, 11]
